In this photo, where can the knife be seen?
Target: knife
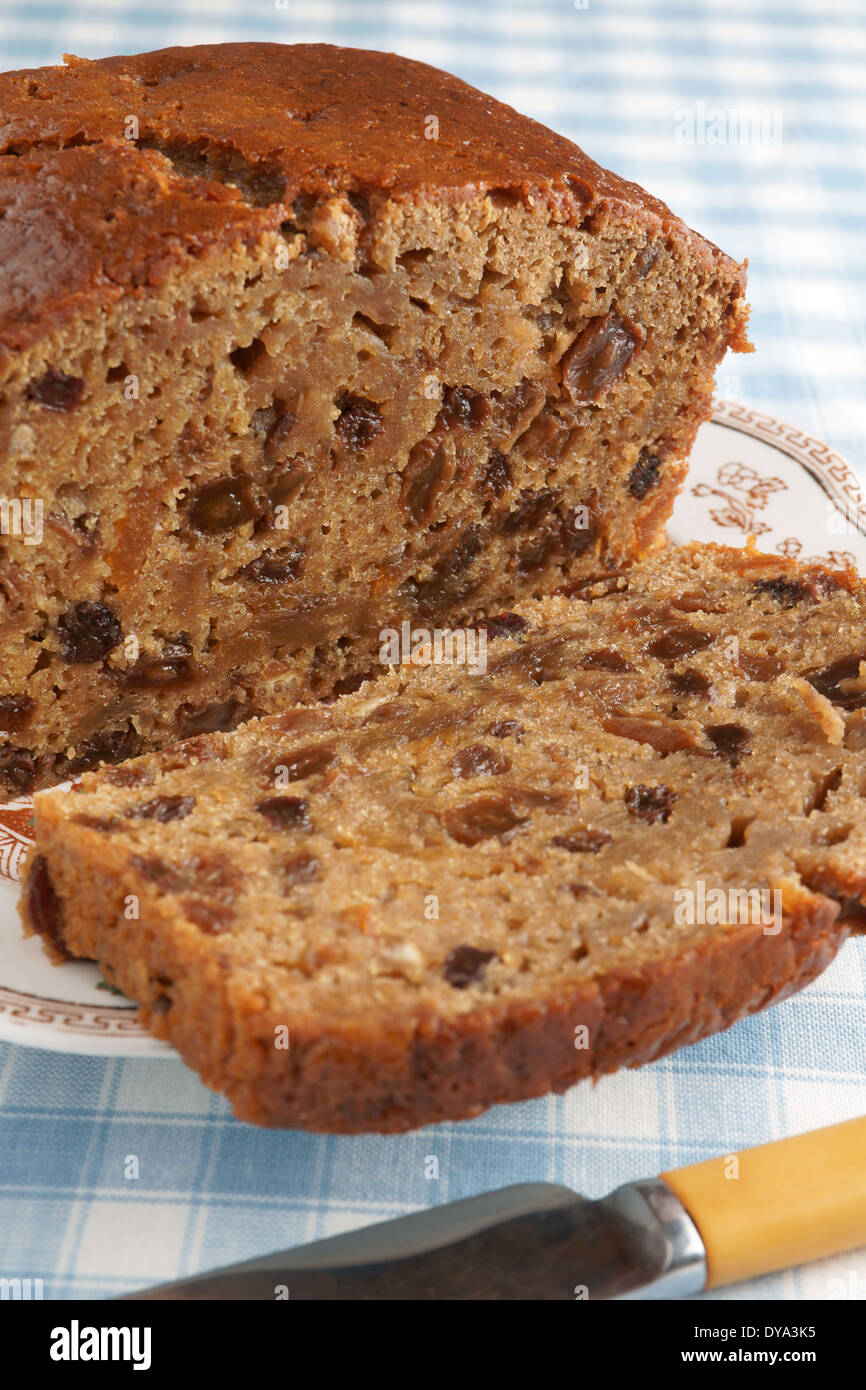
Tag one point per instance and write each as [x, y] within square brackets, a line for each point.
[696, 1228]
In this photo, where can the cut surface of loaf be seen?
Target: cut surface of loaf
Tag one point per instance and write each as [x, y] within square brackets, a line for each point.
[295, 341]
[454, 887]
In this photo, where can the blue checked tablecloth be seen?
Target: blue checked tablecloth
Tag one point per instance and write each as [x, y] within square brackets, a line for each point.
[663, 92]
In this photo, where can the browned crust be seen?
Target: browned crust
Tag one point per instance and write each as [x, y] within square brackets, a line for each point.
[290, 112]
[390, 1075]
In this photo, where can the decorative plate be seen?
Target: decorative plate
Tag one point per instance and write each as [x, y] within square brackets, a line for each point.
[749, 475]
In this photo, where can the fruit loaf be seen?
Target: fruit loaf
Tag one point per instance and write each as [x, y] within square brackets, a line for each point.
[457, 886]
[295, 342]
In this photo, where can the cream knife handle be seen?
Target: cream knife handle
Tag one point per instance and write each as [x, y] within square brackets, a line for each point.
[779, 1204]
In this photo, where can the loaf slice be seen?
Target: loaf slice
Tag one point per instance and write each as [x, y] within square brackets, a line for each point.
[453, 888]
[297, 342]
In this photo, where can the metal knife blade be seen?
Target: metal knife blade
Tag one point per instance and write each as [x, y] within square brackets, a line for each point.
[528, 1242]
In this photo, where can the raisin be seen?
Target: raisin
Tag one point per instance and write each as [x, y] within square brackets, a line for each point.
[535, 556]
[483, 819]
[359, 422]
[605, 659]
[162, 809]
[127, 776]
[731, 741]
[786, 592]
[431, 468]
[307, 762]
[109, 746]
[599, 356]
[172, 667]
[760, 668]
[496, 475]
[545, 438]
[221, 506]
[650, 803]
[828, 681]
[440, 588]
[15, 711]
[577, 534]
[278, 432]
[679, 641]
[286, 812]
[478, 760]
[213, 918]
[464, 408]
[276, 566]
[645, 260]
[287, 487]
[465, 965]
[688, 682]
[531, 510]
[645, 474]
[88, 632]
[41, 904]
[300, 868]
[57, 391]
[504, 625]
[506, 728]
[208, 719]
[583, 841]
[19, 768]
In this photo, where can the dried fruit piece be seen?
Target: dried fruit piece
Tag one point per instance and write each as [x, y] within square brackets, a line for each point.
[688, 682]
[359, 422]
[465, 965]
[479, 760]
[428, 473]
[172, 667]
[15, 711]
[495, 477]
[286, 812]
[42, 904]
[650, 803]
[504, 625]
[530, 511]
[464, 408]
[760, 668]
[57, 391]
[486, 818]
[584, 840]
[306, 762]
[162, 809]
[832, 681]
[221, 506]
[506, 728]
[208, 719]
[663, 734]
[645, 474]
[679, 640]
[108, 746]
[731, 741]
[300, 868]
[785, 592]
[599, 356]
[88, 632]
[19, 767]
[276, 566]
[605, 659]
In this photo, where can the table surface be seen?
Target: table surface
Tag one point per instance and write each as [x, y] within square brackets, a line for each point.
[647, 90]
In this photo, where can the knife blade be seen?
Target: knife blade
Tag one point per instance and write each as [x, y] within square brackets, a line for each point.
[529, 1242]
[698, 1227]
